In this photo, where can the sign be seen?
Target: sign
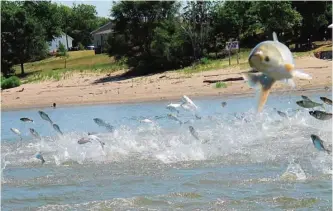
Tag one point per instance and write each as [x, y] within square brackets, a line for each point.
[231, 45]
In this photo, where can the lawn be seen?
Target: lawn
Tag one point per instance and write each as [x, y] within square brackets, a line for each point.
[78, 61]
[86, 61]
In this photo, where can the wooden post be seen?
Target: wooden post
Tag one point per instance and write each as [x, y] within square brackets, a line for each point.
[237, 58]
[229, 57]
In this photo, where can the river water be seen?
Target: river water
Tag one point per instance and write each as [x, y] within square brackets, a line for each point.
[242, 161]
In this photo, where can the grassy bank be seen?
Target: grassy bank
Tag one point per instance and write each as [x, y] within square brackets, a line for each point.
[87, 62]
[77, 61]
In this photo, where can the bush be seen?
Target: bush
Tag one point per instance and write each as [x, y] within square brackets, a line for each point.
[62, 49]
[11, 82]
[81, 47]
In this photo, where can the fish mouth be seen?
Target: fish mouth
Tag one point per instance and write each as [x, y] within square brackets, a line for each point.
[258, 54]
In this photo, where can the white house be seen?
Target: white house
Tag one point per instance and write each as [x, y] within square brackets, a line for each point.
[330, 26]
[54, 44]
[101, 34]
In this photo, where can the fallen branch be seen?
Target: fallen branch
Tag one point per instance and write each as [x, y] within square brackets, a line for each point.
[224, 80]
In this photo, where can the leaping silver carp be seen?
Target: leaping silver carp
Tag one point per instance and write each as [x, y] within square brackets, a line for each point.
[275, 62]
[34, 133]
[57, 128]
[24, 119]
[44, 116]
[102, 123]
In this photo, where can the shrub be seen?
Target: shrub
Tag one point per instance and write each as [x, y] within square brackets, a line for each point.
[11, 82]
[81, 47]
[220, 85]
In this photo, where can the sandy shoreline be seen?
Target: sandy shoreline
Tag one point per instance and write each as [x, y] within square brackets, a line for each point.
[83, 89]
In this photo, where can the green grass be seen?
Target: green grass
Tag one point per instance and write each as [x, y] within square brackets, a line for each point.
[210, 64]
[219, 85]
[77, 61]
[11, 82]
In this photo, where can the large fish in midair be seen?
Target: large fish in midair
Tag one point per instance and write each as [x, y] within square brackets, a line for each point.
[275, 62]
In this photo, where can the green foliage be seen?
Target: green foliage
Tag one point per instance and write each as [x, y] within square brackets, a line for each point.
[11, 82]
[219, 85]
[81, 47]
[62, 50]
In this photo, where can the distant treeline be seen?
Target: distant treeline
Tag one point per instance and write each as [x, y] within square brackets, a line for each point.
[27, 26]
[159, 35]
[164, 35]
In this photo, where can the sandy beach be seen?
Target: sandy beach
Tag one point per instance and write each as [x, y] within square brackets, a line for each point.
[85, 89]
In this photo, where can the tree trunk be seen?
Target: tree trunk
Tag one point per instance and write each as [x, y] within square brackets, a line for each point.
[22, 68]
[67, 42]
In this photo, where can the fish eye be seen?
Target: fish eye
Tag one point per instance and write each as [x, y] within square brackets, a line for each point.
[267, 59]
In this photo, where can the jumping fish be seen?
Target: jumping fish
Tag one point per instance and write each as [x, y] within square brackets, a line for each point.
[308, 104]
[57, 128]
[319, 144]
[40, 157]
[173, 117]
[282, 114]
[34, 133]
[194, 133]
[321, 115]
[83, 141]
[44, 116]
[24, 119]
[102, 123]
[188, 103]
[275, 62]
[326, 100]
[305, 97]
[174, 107]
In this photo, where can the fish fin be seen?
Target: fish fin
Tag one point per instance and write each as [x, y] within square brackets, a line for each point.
[251, 79]
[275, 37]
[290, 82]
[263, 98]
[301, 75]
[266, 85]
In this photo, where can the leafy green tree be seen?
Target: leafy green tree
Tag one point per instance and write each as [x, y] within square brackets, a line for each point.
[134, 25]
[24, 36]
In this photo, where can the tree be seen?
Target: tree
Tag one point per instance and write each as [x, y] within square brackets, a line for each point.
[23, 36]
[83, 21]
[196, 22]
[134, 25]
[315, 21]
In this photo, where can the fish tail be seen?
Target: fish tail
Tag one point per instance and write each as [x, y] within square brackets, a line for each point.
[266, 85]
[300, 74]
[263, 98]
[275, 37]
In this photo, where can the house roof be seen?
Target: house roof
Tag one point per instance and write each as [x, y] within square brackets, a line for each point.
[105, 29]
[330, 26]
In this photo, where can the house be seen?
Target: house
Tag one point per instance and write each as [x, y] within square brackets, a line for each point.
[100, 35]
[330, 26]
[54, 44]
